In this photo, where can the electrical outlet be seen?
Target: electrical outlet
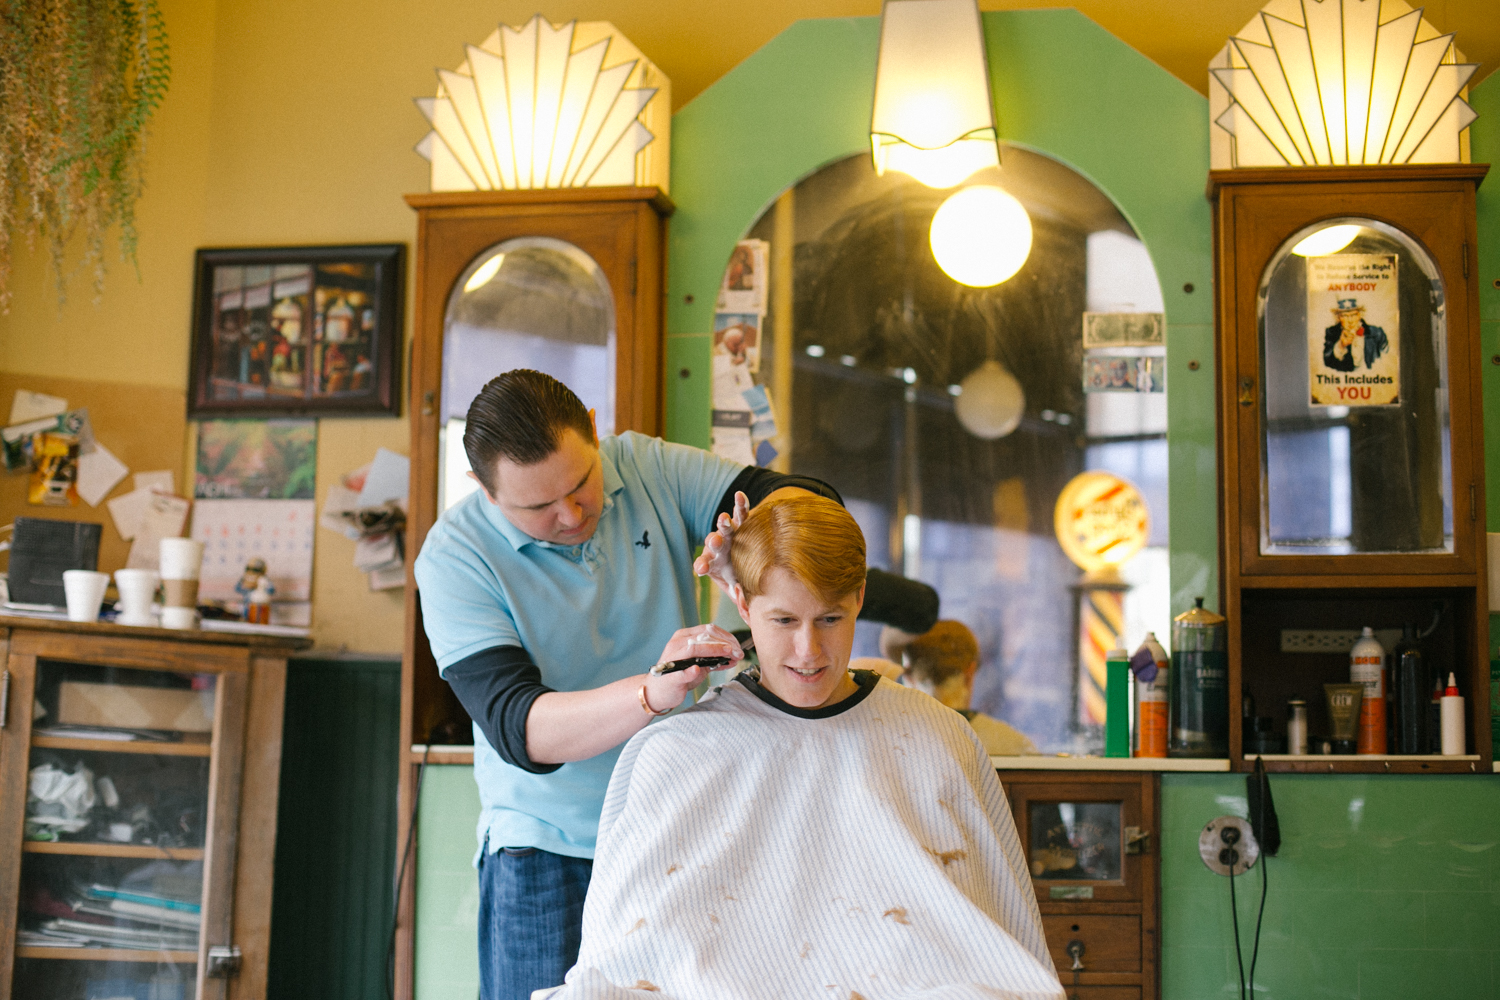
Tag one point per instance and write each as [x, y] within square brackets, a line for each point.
[1332, 640]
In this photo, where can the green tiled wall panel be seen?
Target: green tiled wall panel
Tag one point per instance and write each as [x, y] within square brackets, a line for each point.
[1385, 886]
[447, 942]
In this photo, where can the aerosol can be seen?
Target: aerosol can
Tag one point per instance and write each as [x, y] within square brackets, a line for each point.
[1151, 668]
[1367, 667]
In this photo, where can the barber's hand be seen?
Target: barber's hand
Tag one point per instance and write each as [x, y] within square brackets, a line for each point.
[666, 691]
[714, 562]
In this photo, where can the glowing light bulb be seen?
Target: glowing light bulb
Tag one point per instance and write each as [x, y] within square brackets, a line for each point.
[980, 236]
[1326, 241]
[486, 271]
[990, 402]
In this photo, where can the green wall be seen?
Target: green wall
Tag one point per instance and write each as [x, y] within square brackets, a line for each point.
[1386, 886]
[1484, 138]
[447, 943]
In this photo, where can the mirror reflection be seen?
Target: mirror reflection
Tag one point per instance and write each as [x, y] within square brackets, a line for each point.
[951, 416]
[1355, 408]
[533, 302]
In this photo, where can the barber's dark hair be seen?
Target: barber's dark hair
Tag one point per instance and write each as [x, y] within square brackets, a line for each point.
[521, 416]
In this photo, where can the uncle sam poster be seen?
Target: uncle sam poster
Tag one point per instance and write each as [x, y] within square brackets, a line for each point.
[1353, 330]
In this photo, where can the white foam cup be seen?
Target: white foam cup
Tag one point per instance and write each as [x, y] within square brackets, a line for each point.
[85, 592]
[180, 558]
[179, 617]
[137, 589]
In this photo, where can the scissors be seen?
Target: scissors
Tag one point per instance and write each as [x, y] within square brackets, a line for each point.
[711, 662]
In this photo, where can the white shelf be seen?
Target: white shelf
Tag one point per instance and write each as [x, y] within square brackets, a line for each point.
[1326, 758]
[1061, 763]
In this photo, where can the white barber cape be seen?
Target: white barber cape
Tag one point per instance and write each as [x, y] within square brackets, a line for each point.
[746, 853]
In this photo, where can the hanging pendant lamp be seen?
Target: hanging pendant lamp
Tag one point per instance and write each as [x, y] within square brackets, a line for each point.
[933, 118]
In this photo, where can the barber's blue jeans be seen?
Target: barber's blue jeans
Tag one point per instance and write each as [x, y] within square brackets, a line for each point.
[530, 920]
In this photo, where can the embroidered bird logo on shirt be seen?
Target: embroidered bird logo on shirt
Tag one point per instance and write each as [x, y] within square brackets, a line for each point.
[645, 541]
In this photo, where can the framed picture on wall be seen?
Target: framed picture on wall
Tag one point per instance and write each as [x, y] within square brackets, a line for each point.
[297, 331]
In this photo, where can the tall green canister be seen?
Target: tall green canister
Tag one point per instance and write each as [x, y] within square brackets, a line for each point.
[1200, 685]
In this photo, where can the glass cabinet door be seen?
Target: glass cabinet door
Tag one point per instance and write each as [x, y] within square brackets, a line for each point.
[1355, 416]
[127, 766]
[1075, 836]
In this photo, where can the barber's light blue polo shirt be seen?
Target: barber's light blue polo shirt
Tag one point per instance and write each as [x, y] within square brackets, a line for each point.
[587, 614]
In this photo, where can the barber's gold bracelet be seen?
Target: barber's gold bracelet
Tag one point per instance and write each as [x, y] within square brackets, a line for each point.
[647, 705]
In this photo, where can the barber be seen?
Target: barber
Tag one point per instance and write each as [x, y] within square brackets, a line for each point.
[547, 595]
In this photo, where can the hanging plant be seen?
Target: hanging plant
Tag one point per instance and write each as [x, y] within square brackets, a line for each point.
[79, 79]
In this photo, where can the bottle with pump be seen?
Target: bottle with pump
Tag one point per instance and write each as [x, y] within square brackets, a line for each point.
[1452, 710]
[1367, 667]
[1151, 668]
[1411, 692]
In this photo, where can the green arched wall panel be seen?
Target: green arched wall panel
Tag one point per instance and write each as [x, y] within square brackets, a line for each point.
[1063, 86]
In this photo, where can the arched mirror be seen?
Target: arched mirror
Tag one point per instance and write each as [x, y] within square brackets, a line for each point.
[952, 417]
[1354, 416]
[532, 302]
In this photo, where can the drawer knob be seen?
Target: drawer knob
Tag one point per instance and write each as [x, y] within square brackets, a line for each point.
[1075, 952]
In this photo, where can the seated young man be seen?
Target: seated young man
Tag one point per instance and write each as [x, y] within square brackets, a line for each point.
[805, 831]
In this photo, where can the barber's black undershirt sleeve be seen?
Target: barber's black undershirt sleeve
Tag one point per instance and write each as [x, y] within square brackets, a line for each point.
[908, 604]
[757, 484]
[497, 687]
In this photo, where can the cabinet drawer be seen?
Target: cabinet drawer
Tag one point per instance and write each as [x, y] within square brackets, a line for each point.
[1110, 943]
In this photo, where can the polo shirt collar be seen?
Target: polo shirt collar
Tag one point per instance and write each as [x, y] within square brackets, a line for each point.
[518, 539]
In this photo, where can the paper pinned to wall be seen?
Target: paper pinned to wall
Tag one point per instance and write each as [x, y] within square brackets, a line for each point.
[161, 481]
[98, 473]
[162, 516]
[28, 405]
[386, 480]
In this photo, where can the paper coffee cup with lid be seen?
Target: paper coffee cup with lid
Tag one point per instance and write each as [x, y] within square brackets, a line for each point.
[181, 559]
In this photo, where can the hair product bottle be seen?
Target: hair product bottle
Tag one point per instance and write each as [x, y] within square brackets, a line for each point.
[1411, 692]
[1367, 667]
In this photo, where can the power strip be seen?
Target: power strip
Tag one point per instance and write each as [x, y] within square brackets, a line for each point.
[1332, 640]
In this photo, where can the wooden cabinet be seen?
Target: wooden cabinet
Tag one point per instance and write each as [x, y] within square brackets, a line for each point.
[1090, 841]
[139, 771]
[580, 271]
[1351, 437]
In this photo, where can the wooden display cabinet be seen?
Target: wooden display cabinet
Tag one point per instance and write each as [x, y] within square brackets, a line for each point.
[618, 234]
[1370, 511]
[187, 728]
[1089, 838]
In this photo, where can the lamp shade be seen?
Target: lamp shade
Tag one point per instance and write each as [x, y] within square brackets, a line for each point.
[933, 118]
[549, 107]
[1338, 82]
